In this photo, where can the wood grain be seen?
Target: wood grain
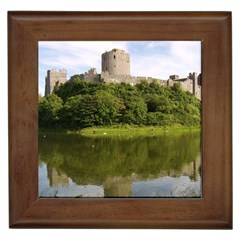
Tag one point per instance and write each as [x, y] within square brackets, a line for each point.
[214, 210]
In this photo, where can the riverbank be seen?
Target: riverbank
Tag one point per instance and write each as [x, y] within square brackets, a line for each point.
[132, 130]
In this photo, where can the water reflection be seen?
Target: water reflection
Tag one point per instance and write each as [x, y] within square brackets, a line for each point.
[153, 166]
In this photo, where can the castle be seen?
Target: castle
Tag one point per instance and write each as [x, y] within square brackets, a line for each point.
[116, 69]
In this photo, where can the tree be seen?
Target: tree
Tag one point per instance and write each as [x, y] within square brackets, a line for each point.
[160, 119]
[49, 111]
[186, 107]
[79, 111]
[143, 87]
[76, 86]
[158, 103]
[123, 90]
[109, 108]
[136, 111]
[79, 104]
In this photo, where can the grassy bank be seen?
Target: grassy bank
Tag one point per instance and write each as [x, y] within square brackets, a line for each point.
[132, 130]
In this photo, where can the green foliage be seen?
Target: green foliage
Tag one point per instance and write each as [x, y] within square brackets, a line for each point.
[49, 111]
[158, 103]
[117, 156]
[79, 104]
[100, 109]
[109, 109]
[79, 111]
[160, 119]
[76, 86]
[136, 111]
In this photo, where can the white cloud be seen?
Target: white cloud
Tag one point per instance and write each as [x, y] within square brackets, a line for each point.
[157, 44]
[157, 59]
[188, 54]
[76, 55]
[183, 57]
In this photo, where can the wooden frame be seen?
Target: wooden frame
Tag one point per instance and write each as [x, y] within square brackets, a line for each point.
[214, 210]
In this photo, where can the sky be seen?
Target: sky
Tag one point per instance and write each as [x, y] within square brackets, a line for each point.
[158, 59]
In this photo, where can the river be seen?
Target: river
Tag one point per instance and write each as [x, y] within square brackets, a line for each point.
[168, 165]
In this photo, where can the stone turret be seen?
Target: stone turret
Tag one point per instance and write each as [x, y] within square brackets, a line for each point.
[54, 78]
[116, 62]
[116, 69]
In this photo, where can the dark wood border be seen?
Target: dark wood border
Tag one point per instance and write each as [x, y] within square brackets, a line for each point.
[214, 210]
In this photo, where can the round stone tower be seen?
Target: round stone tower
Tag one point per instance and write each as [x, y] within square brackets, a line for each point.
[116, 62]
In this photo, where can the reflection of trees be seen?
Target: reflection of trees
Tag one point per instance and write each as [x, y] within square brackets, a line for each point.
[91, 160]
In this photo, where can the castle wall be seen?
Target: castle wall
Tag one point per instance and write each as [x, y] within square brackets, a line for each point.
[93, 76]
[188, 85]
[191, 84]
[116, 69]
[192, 87]
[116, 62]
[197, 92]
[111, 78]
[53, 79]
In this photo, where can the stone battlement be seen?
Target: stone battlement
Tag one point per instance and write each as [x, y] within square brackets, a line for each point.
[116, 69]
[116, 62]
[54, 78]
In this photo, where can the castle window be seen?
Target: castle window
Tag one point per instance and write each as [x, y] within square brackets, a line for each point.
[114, 57]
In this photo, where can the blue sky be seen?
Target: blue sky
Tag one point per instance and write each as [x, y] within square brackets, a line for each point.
[158, 59]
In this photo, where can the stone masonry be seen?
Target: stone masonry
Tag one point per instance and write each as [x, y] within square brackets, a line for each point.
[191, 84]
[54, 78]
[116, 62]
[116, 69]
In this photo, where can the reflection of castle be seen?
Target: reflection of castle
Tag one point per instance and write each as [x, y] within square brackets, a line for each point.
[193, 167]
[118, 187]
[116, 69]
[57, 179]
[122, 186]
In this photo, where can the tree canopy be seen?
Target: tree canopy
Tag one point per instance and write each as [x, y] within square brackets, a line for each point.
[79, 104]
